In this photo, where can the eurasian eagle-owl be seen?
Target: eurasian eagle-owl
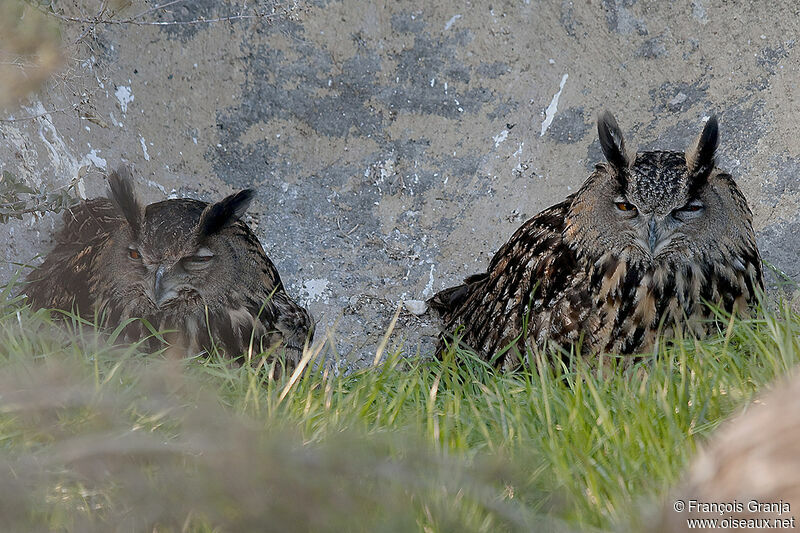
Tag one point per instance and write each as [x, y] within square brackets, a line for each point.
[180, 264]
[640, 247]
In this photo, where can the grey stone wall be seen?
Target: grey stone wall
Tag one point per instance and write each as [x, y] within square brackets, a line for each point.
[395, 146]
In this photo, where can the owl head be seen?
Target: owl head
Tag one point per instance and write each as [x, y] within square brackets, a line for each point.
[658, 206]
[180, 252]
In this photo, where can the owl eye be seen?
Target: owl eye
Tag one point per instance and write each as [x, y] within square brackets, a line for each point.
[200, 259]
[133, 253]
[692, 207]
[625, 206]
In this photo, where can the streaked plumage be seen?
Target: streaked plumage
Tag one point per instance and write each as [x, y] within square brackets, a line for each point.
[180, 264]
[646, 239]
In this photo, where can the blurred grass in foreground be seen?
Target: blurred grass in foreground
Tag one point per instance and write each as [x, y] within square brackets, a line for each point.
[105, 438]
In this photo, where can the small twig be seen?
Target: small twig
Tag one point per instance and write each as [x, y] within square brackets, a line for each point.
[18, 64]
[90, 28]
[159, 23]
[40, 115]
[97, 19]
[27, 211]
[155, 8]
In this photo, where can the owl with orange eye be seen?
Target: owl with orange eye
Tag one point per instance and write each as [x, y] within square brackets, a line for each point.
[191, 269]
[642, 247]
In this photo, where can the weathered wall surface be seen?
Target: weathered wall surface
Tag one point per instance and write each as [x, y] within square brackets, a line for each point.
[395, 146]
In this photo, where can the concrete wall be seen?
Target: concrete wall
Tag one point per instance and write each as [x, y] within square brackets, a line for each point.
[395, 146]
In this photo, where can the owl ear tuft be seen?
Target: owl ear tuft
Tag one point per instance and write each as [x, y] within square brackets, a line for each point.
[700, 157]
[611, 140]
[217, 216]
[123, 196]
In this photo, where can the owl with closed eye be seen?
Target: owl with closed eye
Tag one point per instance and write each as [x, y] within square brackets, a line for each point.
[190, 268]
[647, 241]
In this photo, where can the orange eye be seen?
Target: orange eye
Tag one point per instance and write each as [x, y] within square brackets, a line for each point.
[134, 254]
[693, 208]
[625, 206]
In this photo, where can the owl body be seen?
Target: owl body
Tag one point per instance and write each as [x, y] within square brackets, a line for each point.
[640, 248]
[192, 269]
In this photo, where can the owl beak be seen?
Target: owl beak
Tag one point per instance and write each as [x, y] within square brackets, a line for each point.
[158, 285]
[659, 235]
[653, 235]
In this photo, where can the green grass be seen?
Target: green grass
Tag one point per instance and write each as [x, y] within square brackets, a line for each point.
[94, 435]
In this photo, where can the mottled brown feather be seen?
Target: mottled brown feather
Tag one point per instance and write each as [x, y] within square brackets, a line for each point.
[592, 273]
[237, 302]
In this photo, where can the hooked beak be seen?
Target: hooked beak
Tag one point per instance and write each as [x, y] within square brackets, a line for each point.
[652, 235]
[655, 235]
[159, 289]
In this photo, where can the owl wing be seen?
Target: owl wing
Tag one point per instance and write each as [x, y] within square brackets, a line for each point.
[261, 311]
[276, 319]
[62, 281]
[293, 322]
[534, 269]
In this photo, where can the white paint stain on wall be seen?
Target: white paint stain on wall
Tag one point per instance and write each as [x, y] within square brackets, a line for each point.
[452, 21]
[314, 289]
[156, 185]
[144, 149]
[500, 137]
[124, 97]
[93, 158]
[518, 156]
[65, 165]
[429, 287]
[550, 112]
